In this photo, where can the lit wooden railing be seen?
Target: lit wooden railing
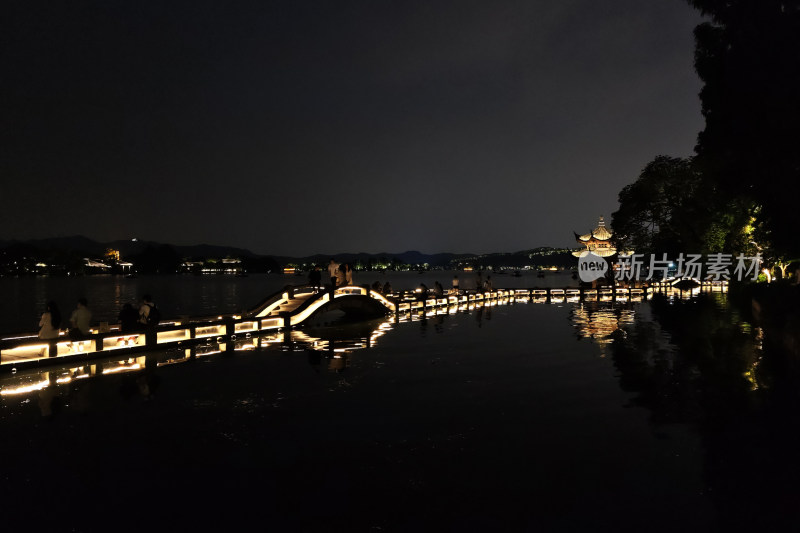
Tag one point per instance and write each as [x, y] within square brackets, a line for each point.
[304, 302]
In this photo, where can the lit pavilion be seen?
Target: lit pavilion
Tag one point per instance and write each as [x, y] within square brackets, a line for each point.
[597, 241]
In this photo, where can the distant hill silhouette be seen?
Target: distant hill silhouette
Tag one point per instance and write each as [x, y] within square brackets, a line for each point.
[89, 247]
[77, 243]
[80, 245]
[409, 257]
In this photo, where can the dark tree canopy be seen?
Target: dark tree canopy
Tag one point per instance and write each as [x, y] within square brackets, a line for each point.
[748, 57]
[671, 209]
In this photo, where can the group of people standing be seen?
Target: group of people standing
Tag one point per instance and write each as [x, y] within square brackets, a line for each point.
[384, 289]
[481, 284]
[131, 320]
[340, 275]
[79, 325]
[438, 289]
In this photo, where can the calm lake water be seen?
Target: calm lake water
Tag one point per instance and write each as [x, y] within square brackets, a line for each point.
[657, 416]
[24, 299]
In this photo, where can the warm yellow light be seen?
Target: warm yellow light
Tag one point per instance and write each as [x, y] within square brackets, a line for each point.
[307, 312]
[137, 366]
[26, 388]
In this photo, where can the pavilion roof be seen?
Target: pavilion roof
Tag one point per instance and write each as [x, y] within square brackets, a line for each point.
[600, 233]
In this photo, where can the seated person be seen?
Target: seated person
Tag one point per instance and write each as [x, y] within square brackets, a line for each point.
[438, 290]
[80, 320]
[423, 292]
[128, 319]
[50, 322]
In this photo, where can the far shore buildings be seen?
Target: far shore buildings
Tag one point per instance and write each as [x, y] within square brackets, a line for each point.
[597, 241]
[213, 266]
[111, 262]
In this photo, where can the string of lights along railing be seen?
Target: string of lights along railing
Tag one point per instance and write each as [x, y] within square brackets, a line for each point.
[293, 306]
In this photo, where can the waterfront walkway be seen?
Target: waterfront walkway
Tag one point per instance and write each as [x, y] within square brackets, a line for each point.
[293, 307]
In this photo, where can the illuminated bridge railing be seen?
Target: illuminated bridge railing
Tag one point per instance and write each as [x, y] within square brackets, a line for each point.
[290, 308]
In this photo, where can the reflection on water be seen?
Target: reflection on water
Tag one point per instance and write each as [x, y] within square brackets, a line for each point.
[328, 342]
[331, 344]
[484, 397]
[185, 295]
[25, 298]
[699, 362]
[676, 352]
[642, 339]
[601, 322]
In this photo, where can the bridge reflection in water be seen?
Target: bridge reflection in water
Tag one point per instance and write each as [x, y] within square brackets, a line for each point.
[601, 322]
[326, 339]
[295, 307]
[399, 424]
[333, 344]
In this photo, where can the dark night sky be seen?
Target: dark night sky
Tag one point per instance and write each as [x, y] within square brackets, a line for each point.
[304, 127]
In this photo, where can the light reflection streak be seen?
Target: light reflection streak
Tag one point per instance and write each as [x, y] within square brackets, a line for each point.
[600, 323]
[114, 370]
[590, 322]
[22, 389]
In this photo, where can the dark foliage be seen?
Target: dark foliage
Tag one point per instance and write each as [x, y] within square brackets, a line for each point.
[671, 208]
[747, 57]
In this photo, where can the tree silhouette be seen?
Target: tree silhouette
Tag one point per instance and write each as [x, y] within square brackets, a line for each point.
[670, 209]
[747, 58]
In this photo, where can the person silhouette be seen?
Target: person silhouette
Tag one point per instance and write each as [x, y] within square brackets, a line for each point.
[423, 292]
[333, 268]
[315, 278]
[50, 322]
[80, 320]
[128, 319]
[438, 290]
